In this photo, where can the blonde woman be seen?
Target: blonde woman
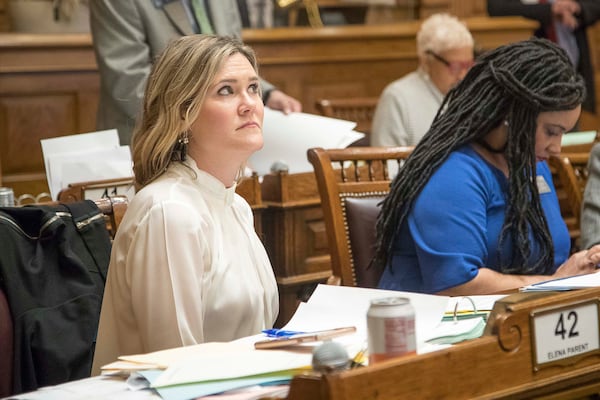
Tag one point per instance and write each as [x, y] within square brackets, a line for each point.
[187, 266]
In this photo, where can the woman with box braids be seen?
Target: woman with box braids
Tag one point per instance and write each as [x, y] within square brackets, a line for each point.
[474, 210]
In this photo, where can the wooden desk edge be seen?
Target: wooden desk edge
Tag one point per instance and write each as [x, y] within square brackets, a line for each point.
[497, 365]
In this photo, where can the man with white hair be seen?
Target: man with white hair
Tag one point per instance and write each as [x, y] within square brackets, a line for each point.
[408, 105]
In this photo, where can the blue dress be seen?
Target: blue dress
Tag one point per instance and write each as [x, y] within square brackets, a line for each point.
[454, 226]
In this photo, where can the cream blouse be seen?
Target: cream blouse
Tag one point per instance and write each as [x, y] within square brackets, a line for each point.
[186, 267]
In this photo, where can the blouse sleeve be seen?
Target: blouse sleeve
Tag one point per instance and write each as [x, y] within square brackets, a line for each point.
[448, 225]
[165, 269]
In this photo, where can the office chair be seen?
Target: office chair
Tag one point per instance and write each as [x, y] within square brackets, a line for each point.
[569, 174]
[352, 182]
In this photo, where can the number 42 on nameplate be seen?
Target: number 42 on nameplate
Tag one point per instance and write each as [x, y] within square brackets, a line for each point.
[563, 335]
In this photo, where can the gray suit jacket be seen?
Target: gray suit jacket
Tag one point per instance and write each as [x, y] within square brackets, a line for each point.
[590, 216]
[128, 35]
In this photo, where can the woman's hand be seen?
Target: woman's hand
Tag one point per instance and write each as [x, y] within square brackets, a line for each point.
[582, 262]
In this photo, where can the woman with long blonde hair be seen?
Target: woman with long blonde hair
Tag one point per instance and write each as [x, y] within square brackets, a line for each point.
[187, 265]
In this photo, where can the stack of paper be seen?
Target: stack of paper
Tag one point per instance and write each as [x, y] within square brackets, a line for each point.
[288, 137]
[570, 283]
[209, 368]
[334, 306]
[85, 157]
[204, 369]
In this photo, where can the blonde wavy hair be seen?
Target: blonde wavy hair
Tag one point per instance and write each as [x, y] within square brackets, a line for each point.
[175, 91]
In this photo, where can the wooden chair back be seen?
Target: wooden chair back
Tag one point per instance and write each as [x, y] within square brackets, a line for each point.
[356, 109]
[107, 187]
[570, 174]
[352, 182]
[248, 188]
[113, 209]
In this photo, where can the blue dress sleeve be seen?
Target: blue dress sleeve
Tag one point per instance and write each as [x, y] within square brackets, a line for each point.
[449, 223]
[455, 223]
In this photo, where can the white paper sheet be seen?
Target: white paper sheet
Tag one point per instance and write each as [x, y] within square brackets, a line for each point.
[288, 137]
[85, 157]
[334, 306]
[574, 138]
[212, 367]
[573, 282]
[95, 388]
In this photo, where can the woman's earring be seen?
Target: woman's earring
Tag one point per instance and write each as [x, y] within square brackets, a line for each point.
[182, 144]
[506, 123]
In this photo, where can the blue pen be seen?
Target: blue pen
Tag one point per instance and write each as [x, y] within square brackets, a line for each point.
[281, 333]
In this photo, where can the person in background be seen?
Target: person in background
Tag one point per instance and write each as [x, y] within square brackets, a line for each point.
[187, 265]
[129, 34]
[590, 214]
[407, 106]
[256, 14]
[474, 209]
[564, 22]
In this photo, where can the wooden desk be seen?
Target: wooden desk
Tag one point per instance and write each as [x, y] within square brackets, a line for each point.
[499, 365]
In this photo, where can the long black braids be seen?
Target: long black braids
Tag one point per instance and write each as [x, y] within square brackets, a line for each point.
[512, 83]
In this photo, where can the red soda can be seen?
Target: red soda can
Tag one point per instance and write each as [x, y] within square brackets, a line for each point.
[390, 328]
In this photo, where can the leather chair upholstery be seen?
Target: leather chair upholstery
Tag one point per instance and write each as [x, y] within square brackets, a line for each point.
[361, 217]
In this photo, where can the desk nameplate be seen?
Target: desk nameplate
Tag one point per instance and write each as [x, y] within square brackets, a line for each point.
[565, 334]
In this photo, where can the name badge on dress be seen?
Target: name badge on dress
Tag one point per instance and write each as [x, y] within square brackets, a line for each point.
[542, 185]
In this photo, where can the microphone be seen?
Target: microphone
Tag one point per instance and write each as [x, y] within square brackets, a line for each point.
[279, 166]
[330, 356]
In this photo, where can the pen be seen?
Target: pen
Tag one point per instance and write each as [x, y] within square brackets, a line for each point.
[281, 332]
[283, 341]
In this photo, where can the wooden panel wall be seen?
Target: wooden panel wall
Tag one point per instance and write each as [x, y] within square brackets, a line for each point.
[460, 8]
[49, 87]
[356, 60]
[4, 23]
